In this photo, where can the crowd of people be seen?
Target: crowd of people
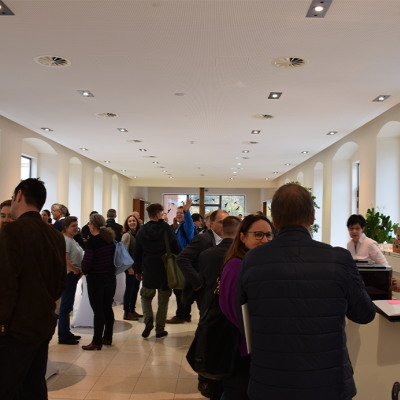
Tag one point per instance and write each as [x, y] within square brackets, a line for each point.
[298, 291]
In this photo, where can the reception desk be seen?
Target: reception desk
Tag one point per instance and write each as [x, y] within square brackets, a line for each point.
[375, 355]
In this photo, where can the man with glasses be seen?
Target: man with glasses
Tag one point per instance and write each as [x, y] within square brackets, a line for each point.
[298, 293]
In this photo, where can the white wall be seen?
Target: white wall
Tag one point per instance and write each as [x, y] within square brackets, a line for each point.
[98, 190]
[48, 174]
[75, 190]
[318, 192]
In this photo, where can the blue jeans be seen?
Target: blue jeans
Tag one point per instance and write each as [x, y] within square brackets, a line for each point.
[67, 305]
[131, 292]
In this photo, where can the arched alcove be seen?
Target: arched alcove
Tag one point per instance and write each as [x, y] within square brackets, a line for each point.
[318, 192]
[345, 182]
[114, 194]
[388, 169]
[300, 178]
[43, 161]
[98, 190]
[75, 188]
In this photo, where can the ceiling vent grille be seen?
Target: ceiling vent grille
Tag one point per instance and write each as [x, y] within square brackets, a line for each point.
[107, 115]
[262, 116]
[135, 141]
[53, 61]
[289, 62]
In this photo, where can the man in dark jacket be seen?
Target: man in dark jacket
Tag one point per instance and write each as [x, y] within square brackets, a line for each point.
[211, 261]
[85, 231]
[59, 212]
[32, 277]
[299, 292]
[110, 223]
[150, 246]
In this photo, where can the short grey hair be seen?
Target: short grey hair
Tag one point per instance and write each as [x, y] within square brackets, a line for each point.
[61, 208]
[112, 213]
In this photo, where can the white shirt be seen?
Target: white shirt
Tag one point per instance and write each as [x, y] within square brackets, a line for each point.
[367, 249]
[218, 239]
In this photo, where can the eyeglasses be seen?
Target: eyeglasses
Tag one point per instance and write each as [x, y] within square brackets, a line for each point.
[259, 235]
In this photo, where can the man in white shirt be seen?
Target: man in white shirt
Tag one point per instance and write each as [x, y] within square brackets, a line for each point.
[360, 246]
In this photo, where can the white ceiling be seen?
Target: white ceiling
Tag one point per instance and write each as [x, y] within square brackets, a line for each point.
[134, 55]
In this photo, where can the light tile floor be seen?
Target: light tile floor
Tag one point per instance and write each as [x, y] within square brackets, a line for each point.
[132, 368]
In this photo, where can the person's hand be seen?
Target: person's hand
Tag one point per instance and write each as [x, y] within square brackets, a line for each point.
[80, 276]
[395, 284]
[130, 271]
[198, 288]
[139, 277]
[76, 271]
[187, 205]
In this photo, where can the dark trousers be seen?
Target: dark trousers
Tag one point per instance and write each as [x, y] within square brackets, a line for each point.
[101, 290]
[67, 305]
[183, 310]
[235, 387]
[23, 369]
[131, 292]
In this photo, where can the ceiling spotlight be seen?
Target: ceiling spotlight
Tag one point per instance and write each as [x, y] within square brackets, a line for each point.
[84, 149]
[332, 133]
[47, 129]
[246, 151]
[287, 164]
[155, 162]
[275, 95]
[85, 93]
[255, 132]
[122, 129]
[239, 163]
[318, 8]
[135, 177]
[170, 177]
[107, 162]
[381, 98]
[142, 150]
[266, 179]
[304, 152]
[123, 170]
[276, 173]
[232, 178]
[164, 170]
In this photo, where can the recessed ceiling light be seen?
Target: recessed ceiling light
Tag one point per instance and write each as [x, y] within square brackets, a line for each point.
[85, 93]
[318, 8]
[107, 162]
[234, 172]
[135, 177]
[276, 173]
[304, 152]
[155, 162]
[122, 129]
[255, 132]
[192, 142]
[246, 151]
[381, 98]
[266, 179]
[287, 164]
[332, 133]
[275, 95]
[47, 129]
[164, 170]
[232, 178]
[123, 170]
[134, 141]
[180, 94]
[239, 163]
[170, 177]
[142, 150]
[84, 149]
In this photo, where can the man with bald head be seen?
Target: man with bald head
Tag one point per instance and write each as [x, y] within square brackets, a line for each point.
[298, 293]
[137, 216]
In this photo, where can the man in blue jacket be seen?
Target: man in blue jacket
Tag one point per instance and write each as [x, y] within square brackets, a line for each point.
[185, 233]
[299, 292]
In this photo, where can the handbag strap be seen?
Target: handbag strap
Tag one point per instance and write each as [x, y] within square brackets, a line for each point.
[167, 243]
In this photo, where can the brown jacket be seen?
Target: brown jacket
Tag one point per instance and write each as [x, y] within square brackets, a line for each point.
[33, 276]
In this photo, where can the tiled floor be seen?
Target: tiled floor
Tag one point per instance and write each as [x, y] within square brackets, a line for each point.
[132, 368]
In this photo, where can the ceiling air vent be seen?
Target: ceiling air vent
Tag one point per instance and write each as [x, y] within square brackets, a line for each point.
[107, 115]
[262, 116]
[135, 141]
[53, 61]
[250, 142]
[150, 157]
[289, 62]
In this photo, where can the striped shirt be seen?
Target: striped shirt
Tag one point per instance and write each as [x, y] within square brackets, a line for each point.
[99, 256]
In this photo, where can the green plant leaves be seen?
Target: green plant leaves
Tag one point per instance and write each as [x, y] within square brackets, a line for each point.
[379, 227]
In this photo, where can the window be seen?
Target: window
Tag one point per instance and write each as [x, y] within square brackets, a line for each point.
[233, 204]
[26, 168]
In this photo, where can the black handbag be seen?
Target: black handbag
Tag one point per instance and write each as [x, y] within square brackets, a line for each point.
[216, 344]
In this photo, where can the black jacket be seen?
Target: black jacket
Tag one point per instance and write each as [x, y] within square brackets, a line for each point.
[33, 276]
[188, 263]
[299, 292]
[148, 252]
[117, 228]
[210, 267]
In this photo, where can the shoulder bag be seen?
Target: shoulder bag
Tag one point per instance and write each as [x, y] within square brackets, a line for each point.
[216, 344]
[174, 274]
[122, 258]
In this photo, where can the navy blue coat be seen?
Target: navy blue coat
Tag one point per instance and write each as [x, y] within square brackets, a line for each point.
[299, 291]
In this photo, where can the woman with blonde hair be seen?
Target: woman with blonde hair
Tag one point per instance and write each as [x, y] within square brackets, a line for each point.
[98, 266]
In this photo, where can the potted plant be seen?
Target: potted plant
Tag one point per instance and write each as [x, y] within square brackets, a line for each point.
[379, 227]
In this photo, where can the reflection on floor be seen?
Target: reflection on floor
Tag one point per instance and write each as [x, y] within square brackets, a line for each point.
[132, 368]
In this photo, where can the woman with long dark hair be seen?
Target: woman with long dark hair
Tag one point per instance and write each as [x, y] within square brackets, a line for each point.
[129, 231]
[254, 231]
[46, 217]
[98, 266]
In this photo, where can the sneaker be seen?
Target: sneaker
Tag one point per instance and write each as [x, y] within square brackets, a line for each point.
[161, 334]
[148, 329]
[175, 320]
[136, 315]
[69, 340]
